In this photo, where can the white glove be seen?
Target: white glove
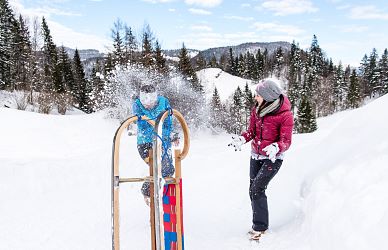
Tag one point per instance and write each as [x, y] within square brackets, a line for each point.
[237, 142]
[271, 150]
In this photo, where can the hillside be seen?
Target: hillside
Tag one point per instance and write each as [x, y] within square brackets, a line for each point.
[244, 48]
[225, 83]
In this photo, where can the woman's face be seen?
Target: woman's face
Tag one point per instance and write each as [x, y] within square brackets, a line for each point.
[259, 99]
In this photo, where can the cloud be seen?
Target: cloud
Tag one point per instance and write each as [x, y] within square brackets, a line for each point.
[52, 1]
[343, 7]
[203, 40]
[240, 18]
[204, 3]
[158, 1]
[245, 5]
[172, 10]
[289, 7]
[278, 28]
[201, 28]
[367, 12]
[61, 34]
[352, 28]
[199, 11]
[45, 10]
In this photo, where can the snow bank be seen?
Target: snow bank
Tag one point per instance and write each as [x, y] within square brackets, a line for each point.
[329, 194]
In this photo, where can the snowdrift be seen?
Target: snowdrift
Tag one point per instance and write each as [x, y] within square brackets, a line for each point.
[329, 194]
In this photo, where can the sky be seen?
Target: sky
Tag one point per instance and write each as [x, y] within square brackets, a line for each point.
[346, 30]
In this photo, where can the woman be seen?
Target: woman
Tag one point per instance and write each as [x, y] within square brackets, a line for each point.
[270, 130]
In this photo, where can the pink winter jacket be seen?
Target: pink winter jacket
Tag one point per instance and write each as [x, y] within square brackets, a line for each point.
[273, 127]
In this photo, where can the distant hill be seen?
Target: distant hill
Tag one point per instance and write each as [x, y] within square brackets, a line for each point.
[91, 55]
[85, 54]
[244, 48]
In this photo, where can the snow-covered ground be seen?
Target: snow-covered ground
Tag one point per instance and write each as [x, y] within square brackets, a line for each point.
[19, 98]
[331, 192]
[225, 83]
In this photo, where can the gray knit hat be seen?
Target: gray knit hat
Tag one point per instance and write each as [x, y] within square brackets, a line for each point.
[269, 90]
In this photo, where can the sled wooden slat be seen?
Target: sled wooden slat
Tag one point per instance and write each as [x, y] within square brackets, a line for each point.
[116, 179]
[168, 180]
[152, 202]
[178, 175]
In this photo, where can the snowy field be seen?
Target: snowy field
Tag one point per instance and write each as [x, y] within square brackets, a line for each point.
[331, 192]
[225, 83]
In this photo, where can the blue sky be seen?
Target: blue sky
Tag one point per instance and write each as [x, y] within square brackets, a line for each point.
[346, 30]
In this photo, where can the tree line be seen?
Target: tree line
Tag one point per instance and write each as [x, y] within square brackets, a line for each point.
[316, 87]
[30, 62]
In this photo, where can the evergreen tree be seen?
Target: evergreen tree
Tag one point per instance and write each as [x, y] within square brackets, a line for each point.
[339, 89]
[267, 64]
[373, 74]
[67, 78]
[130, 45]
[216, 110]
[50, 61]
[200, 62]
[294, 75]
[354, 93]
[223, 64]
[328, 68]
[63, 98]
[118, 54]
[363, 69]
[279, 62]
[383, 71]
[241, 67]
[248, 101]
[7, 21]
[160, 61]
[314, 67]
[250, 69]
[259, 65]
[185, 67]
[108, 65]
[231, 69]
[236, 112]
[147, 50]
[316, 59]
[82, 95]
[306, 120]
[36, 72]
[97, 84]
[21, 54]
[213, 62]
[236, 63]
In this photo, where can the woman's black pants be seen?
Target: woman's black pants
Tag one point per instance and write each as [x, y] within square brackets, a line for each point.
[261, 173]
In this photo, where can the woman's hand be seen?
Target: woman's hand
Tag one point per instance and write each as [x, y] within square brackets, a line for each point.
[271, 150]
[237, 142]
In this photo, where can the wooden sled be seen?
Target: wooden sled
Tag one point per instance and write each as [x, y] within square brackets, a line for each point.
[157, 215]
